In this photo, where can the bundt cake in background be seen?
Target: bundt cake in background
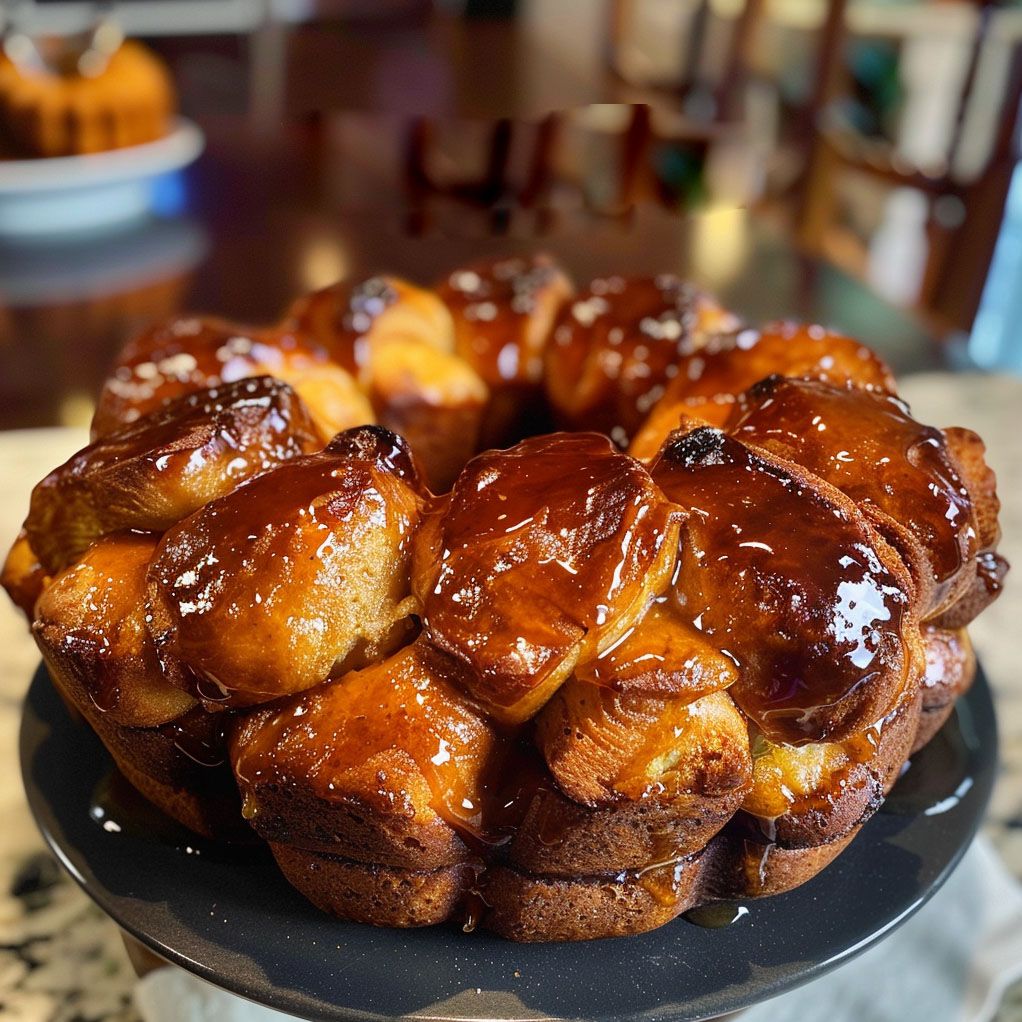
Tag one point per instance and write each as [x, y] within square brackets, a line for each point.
[337, 585]
[92, 103]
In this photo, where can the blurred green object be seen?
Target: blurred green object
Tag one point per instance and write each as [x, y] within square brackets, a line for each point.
[680, 173]
[878, 92]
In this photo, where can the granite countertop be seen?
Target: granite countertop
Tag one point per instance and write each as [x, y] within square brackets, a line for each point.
[62, 960]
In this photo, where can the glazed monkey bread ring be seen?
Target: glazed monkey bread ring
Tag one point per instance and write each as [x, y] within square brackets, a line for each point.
[557, 613]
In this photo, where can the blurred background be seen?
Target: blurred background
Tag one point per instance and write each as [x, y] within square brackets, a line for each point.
[851, 161]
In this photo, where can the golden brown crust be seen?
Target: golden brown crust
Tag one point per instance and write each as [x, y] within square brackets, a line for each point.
[376, 894]
[504, 312]
[354, 320]
[209, 809]
[383, 816]
[91, 625]
[985, 586]
[986, 579]
[562, 838]
[723, 653]
[707, 381]
[661, 654]
[532, 907]
[391, 764]
[23, 576]
[605, 747]
[867, 445]
[744, 865]
[192, 353]
[950, 666]
[969, 454]
[785, 573]
[299, 575]
[150, 474]
[180, 766]
[525, 907]
[950, 672]
[542, 555]
[616, 346]
[813, 794]
[397, 341]
[435, 401]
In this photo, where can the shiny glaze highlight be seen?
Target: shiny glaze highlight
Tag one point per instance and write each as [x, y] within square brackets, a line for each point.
[537, 555]
[790, 582]
[274, 587]
[869, 446]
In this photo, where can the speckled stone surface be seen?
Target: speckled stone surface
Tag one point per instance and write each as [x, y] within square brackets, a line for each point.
[61, 960]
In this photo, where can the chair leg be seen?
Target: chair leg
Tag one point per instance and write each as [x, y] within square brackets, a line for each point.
[538, 181]
[634, 154]
[818, 200]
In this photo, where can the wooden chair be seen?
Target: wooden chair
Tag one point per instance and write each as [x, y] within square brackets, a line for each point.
[495, 189]
[725, 95]
[723, 103]
[959, 247]
[647, 130]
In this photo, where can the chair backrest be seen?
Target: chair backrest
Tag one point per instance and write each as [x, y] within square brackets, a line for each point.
[523, 163]
[736, 64]
[958, 248]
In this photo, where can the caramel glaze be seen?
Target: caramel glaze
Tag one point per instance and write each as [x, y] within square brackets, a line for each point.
[706, 383]
[541, 555]
[991, 568]
[663, 654]
[813, 798]
[671, 884]
[23, 576]
[786, 576]
[397, 340]
[616, 346]
[987, 581]
[155, 471]
[191, 353]
[435, 400]
[814, 793]
[504, 310]
[868, 445]
[200, 736]
[349, 319]
[794, 780]
[372, 722]
[301, 573]
[90, 624]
